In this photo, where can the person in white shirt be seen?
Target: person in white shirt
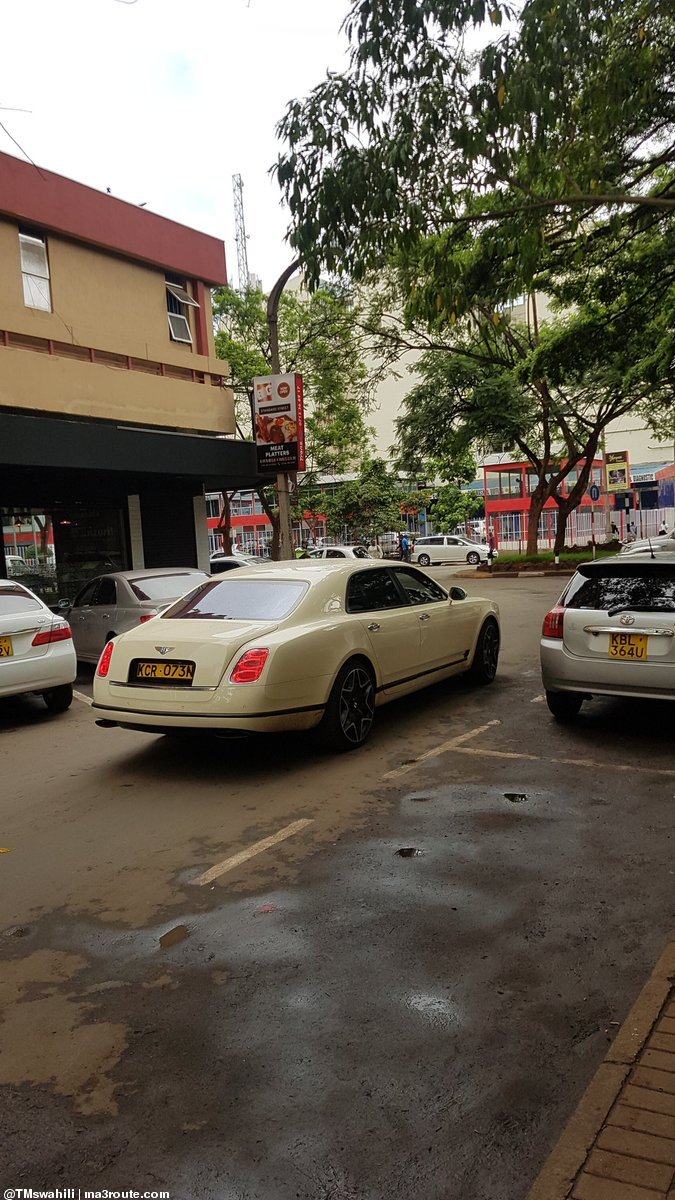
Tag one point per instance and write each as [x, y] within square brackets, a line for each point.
[374, 550]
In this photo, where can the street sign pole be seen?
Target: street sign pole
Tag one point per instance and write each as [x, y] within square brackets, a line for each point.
[283, 478]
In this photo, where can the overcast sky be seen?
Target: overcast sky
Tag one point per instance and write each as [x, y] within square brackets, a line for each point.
[164, 100]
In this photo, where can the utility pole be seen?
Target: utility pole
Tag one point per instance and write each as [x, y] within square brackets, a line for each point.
[283, 478]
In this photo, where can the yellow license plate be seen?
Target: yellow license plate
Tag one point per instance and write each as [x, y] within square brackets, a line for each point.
[6, 647]
[629, 646]
[175, 673]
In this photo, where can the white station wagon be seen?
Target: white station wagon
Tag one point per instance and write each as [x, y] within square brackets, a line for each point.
[297, 645]
[449, 548]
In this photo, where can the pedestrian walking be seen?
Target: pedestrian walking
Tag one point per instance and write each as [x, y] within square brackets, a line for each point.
[404, 541]
[375, 550]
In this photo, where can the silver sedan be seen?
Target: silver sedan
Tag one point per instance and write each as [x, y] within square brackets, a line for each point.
[612, 633]
[121, 600]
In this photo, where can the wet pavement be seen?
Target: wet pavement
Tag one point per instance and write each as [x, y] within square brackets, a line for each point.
[404, 999]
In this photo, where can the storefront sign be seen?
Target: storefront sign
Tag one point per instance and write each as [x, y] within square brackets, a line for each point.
[279, 423]
[617, 471]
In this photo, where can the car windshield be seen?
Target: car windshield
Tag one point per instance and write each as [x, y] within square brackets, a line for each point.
[165, 587]
[15, 599]
[240, 600]
[359, 552]
[642, 586]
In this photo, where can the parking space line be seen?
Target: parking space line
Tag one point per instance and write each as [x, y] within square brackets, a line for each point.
[81, 696]
[235, 860]
[478, 752]
[444, 747]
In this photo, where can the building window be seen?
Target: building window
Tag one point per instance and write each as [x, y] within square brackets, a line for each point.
[510, 483]
[213, 505]
[37, 291]
[178, 300]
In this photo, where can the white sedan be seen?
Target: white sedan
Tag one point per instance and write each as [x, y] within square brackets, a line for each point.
[297, 645]
[340, 552]
[36, 648]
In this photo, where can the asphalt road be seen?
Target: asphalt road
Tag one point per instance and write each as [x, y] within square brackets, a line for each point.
[328, 1019]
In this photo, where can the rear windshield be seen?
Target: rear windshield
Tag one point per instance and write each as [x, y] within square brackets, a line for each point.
[15, 599]
[240, 600]
[165, 587]
[643, 586]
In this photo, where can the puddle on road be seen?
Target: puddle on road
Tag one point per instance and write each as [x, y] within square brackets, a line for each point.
[409, 852]
[515, 797]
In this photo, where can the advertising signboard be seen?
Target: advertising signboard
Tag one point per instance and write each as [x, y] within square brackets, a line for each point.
[279, 423]
[617, 471]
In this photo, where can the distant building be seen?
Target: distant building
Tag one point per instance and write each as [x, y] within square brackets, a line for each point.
[114, 414]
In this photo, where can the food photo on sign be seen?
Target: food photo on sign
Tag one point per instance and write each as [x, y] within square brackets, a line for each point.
[279, 422]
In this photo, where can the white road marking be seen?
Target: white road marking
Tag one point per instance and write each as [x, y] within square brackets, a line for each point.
[444, 747]
[569, 762]
[235, 860]
[81, 696]
[537, 700]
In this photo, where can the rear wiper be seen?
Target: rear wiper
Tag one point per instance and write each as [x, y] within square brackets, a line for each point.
[655, 606]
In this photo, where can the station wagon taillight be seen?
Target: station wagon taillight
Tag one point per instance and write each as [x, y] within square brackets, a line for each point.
[250, 666]
[553, 622]
[58, 633]
[104, 661]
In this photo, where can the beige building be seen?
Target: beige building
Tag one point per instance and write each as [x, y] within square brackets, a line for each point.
[114, 413]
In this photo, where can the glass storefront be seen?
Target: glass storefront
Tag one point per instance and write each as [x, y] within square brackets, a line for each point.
[54, 553]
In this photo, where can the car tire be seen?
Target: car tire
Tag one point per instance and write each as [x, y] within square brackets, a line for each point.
[424, 560]
[565, 706]
[58, 699]
[473, 557]
[348, 717]
[486, 657]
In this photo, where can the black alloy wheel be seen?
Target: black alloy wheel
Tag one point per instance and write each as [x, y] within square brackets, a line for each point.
[349, 714]
[486, 659]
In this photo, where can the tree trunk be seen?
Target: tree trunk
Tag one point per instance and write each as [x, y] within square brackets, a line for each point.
[537, 502]
[224, 526]
[273, 516]
[561, 528]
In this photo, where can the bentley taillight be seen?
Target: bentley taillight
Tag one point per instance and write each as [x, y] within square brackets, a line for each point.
[250, 666]
[104, 661]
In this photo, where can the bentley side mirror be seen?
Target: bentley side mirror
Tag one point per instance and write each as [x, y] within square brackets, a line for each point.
[457, 593]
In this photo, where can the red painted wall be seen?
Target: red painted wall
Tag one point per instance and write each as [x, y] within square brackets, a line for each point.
[54, 203]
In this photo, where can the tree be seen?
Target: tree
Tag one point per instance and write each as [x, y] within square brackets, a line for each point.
[319, 336]
[543, 161]
[557, 128]
[369, 505]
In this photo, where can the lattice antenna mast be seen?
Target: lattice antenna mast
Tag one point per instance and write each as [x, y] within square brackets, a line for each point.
[240, 232]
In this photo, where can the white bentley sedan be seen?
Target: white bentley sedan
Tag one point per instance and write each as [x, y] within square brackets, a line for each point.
[298, 645]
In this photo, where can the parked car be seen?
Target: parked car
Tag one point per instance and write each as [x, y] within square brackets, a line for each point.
[16, 565]
[660, 545]
[36, 648]
[339, 552]
[612, 633]
[221, 562]
[111, 604]
[298, 645]
[449, 548]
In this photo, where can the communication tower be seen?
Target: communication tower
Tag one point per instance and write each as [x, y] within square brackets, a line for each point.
[240, 233]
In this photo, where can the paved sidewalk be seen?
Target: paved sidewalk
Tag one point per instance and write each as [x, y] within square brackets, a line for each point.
[620, 1142]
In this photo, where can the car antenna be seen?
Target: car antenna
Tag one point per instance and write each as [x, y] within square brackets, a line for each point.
[651, 548]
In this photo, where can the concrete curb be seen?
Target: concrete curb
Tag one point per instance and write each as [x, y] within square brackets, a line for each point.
[557, 1177]
[562, 573]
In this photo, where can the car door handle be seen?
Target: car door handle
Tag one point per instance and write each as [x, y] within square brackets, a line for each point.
[425, 617]
[373, 627]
